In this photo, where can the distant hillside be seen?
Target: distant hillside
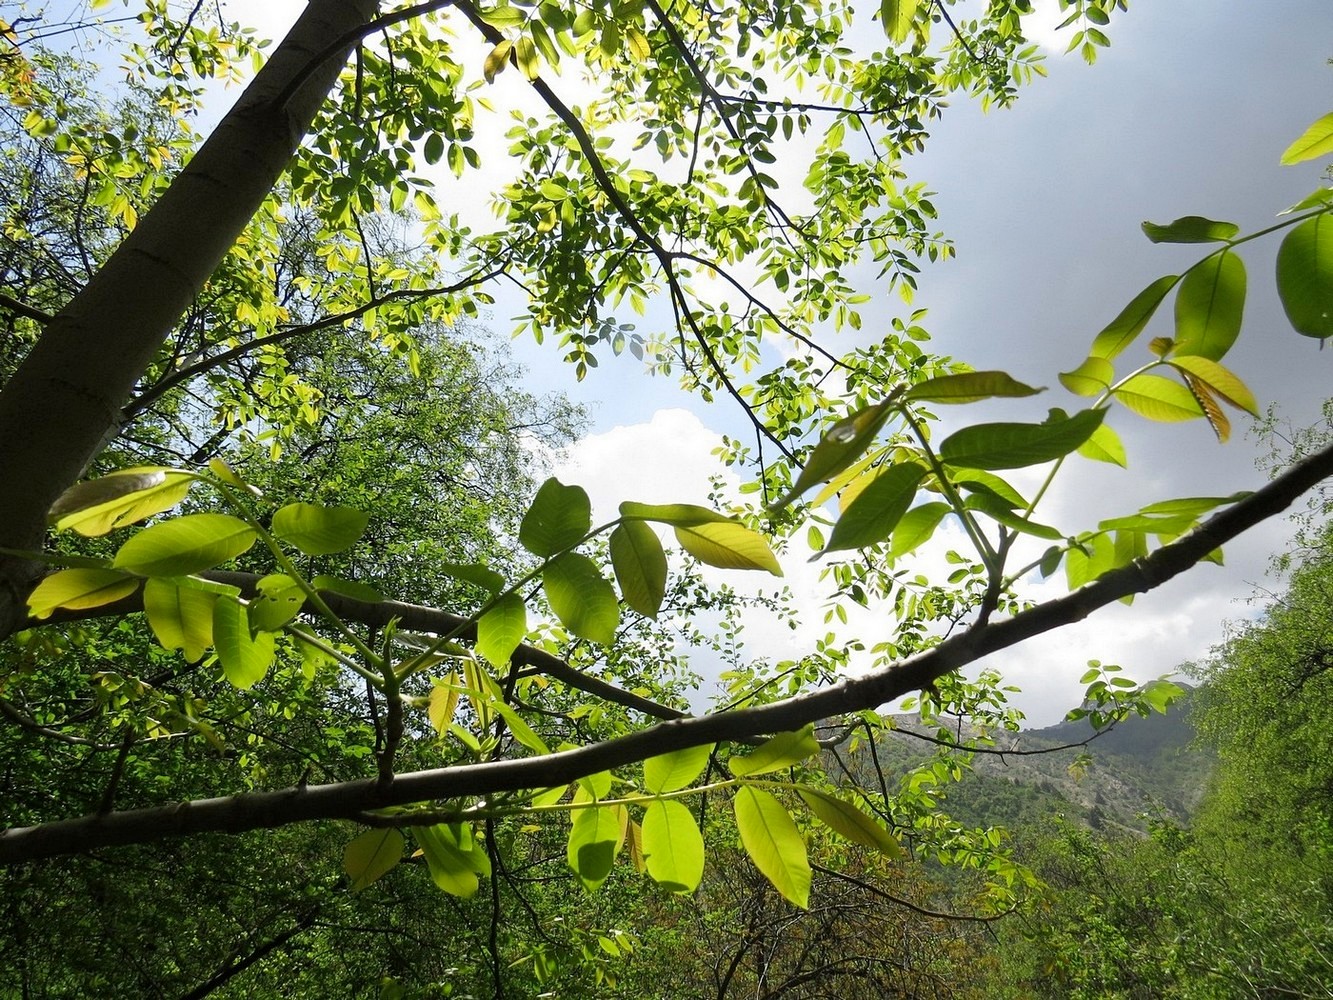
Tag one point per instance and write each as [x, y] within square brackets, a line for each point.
[1142, 767]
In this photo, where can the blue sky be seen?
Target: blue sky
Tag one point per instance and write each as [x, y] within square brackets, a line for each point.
[1186, 113]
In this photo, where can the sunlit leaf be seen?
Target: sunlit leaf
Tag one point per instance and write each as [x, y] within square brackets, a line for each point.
[672, 845]
[1091, 378]
[678, 515]
[783, 750]
[998, 511]
[185, 545]
[496, 60]
[558, 519]
[443, 704]
[180, 617]
[875, 512]
[1305, 276]
[280, 600]
[728, 545]
[969, 387]
[77, 589]
[1013, 446]
[773, 843]
[1314, 142]
[1191, 229]
[594, 839]
[101, 505]
[1160, 694]
[640, 565]
[1122, 330]
[917, 526]
[520, 729]
[1210, 306]
[317, 530]
[669, 772]
[354, 589]
[450, 869]
[897, 16]
[977, 481]
[582, 598]
[371, 855]
[1104, 446]
[477, 573]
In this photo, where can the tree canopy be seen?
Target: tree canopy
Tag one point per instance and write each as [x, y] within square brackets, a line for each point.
[273, 553]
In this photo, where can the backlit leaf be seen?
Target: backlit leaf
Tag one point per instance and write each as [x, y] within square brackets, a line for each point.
[559, 518]
[849, 822]
[1305, 276]
[842, 445]
[594, 839]
[916, 527]
[875, 512]
[180, 617]
[101, 505]
[1314, 142]
[496, 60]
[1210, 306]
[280, 600]
[450, 869]
[728, 545]
[582, 598]
[669, 772]
[1122, 330]
[678, 515]
[502, 628]
[477, 573]
[371, 855]
[185, 545]
[79, 588]
[1104, 446]
[773, 843]
[783, 750]
[245, 659]
[1158, 398]
[317, 530]
[354, 589]
[968, 387]
[443, 704]
[897, 16]
[1191, 229]
[1091, 378]
[1014, 446]
[672, 845]
[640, 565]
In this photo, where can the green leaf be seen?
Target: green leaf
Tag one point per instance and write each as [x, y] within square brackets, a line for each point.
[1159, 694]
[180, 617]
[520, 729]
[976, 481]
[875, 512]
[476, 573]
[450, 868]
[773, 843]
[317, 530]
[79, 588]
[1158, 398]
[354, 589]
[99, 506]
[1001, 512]
[559, 518]
[1210, 306]
[849, 822]
[968, 387]
[525, 52]
[594, 840]
[640, 565]
[1122, 330]
[496, 60]
[1104, 446]
[371, 855]
[1014, 446]
[1193, 505]
[1191, 229]
[673, 846]
[1222, 381]
[1315, 141]
[670, 772]
[844, 443]
[502, 628]
[1091, 378]
[1305, 276]
[678, 515]
[185, 545]
[280, 600]
[1092, 557]
[728, 545]
[245, 659]
[783, 750]
[897, 16]
[581, 598]
[916, 527]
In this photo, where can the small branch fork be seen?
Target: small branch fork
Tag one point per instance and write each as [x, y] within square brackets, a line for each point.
[346, 800]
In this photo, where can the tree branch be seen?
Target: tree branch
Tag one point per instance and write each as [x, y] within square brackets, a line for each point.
[259, 810]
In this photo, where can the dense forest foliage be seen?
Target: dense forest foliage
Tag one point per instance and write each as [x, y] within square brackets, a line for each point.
[313, 683]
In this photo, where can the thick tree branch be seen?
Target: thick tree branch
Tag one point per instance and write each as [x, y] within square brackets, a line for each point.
[344, 800]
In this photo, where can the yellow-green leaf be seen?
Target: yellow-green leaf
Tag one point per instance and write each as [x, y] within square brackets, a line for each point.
[848, 821]
[185, 545]
[245, 658]
[728, 545]
[101, 505]
[672, 846]
[969, 387]
[1210, 306]
[640, 565]
[773, 843]
[874, 513]
[897, 16]
[581, 597]
[502, 628]
[79, 588]
[180, 617]
[317, 530]
[1104, 446]
[783, 750]
[669, 772]
[1122, 330]
[1158, 398]
[372, 855]
[1091, 378]
[1315, 141]
[1220, 380]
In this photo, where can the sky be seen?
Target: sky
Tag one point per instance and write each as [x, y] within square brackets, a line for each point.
[1186, 113]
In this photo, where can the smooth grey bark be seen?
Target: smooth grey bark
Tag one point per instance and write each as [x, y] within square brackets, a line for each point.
[64, 402]
[464, 784]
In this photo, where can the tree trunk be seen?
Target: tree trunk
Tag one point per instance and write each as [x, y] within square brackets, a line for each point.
[63, 404]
